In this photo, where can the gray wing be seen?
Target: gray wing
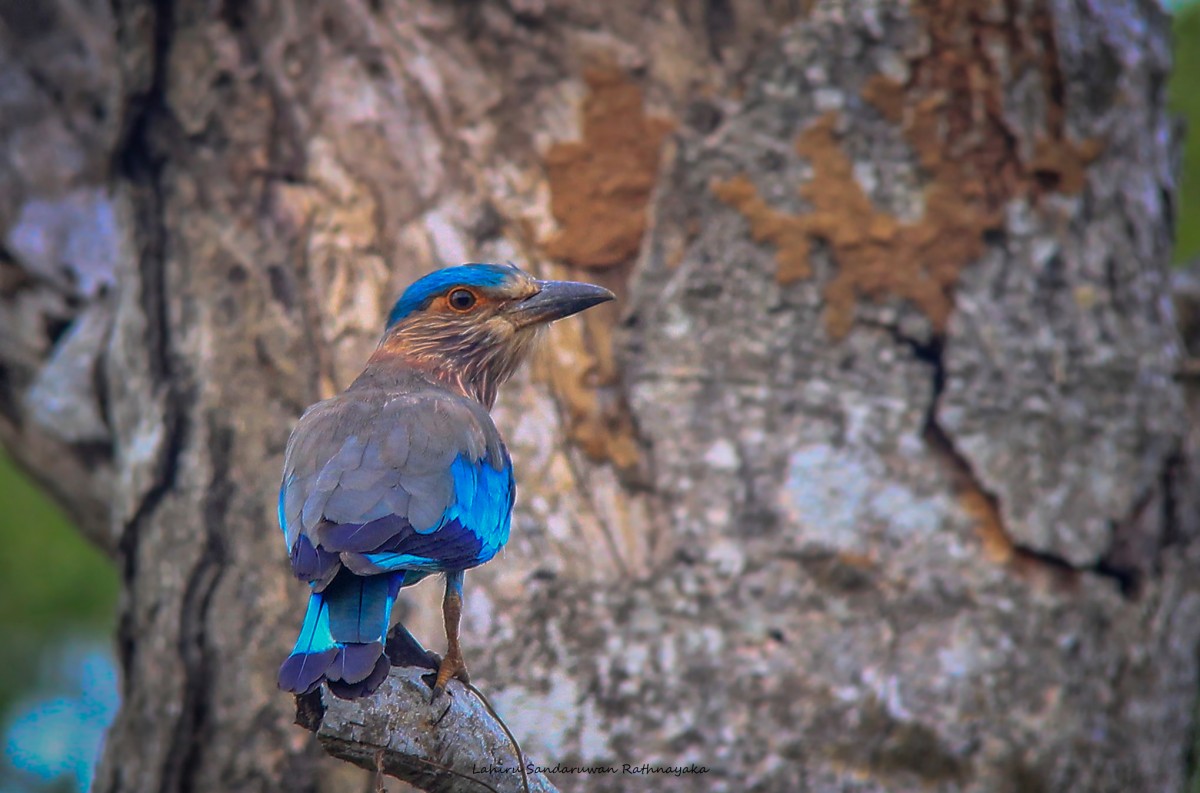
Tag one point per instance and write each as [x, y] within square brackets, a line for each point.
[368, 468]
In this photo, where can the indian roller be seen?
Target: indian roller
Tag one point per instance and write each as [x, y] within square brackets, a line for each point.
[403, 475]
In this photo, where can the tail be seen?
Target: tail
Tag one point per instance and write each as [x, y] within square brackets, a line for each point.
[343, 635]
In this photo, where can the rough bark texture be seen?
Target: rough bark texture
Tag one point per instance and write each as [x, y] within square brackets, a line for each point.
[877, 478]
[440, 746]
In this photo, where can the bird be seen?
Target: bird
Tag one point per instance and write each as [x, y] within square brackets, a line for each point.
[404, 475]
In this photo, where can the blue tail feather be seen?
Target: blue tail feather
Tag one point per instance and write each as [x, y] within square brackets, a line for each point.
[359, 607]
[314, 650]
[354, 662]
[344, 690]
[343, 635]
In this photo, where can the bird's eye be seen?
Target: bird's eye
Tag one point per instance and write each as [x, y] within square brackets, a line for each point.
[461, 299]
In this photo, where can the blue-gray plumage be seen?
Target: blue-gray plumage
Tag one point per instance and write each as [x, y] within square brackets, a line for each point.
[404, 474]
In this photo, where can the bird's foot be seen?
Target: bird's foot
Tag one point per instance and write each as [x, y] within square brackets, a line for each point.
[452, 666]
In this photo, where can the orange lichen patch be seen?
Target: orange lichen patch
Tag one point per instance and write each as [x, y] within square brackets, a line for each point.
[1059, 165]
[886, 95]
[876, 254]
[859, 561]
[597, 419]
[580, 367]
[600, 186]
[976, 50]
[789, 235]
[951, 111]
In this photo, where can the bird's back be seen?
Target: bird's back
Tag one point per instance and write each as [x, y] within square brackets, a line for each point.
[390, 476]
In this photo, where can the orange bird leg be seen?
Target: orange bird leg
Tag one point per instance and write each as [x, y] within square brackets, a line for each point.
[452, 665]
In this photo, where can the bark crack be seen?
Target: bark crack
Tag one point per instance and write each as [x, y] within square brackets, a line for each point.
[194, 728]
[177, 438]
[195, 723]
[141, 164]
[136, 162]
[983, 504]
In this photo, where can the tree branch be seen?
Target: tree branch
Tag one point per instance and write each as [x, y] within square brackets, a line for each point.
[449, 746]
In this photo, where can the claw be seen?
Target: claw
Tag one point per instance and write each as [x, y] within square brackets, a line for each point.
[452, 667]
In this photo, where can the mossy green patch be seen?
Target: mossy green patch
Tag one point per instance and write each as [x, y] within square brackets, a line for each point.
[52, 582]
[1185, 101]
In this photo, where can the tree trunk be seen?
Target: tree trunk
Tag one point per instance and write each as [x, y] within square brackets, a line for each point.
[877, 477]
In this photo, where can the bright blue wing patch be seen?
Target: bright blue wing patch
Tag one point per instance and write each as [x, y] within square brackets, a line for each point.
[483, 501]
[290, 527]
[452, 547]
[417, 296]
[385, 561]
[282, 516]
[471, 531]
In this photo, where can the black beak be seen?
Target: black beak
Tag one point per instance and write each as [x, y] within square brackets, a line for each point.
[558, 299]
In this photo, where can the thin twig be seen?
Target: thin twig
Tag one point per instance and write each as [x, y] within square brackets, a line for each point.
[511, 738]
[458, 774]
[400, 721]
[379, 772]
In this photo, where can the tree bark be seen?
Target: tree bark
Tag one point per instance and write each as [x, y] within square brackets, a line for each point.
[878, 477]
[447, 745]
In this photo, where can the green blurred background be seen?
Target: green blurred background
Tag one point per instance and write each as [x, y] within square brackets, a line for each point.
[1185, 99]
[58, 594]
[58, 599]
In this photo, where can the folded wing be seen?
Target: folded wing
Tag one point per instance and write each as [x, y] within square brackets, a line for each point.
[380, 483]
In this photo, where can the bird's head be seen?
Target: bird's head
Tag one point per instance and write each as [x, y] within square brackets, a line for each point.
[472, 325]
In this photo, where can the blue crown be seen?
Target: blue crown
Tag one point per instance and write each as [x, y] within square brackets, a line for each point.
[425, 289]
